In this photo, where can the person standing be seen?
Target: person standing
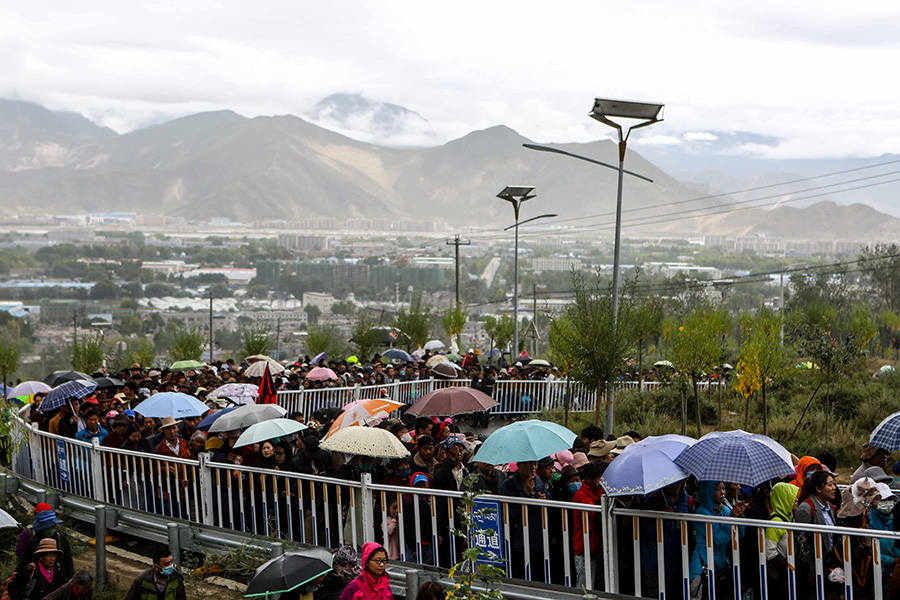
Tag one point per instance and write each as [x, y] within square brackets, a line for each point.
[80, 587]
[372, 583]
[44, 527]
[159, 582]
[35, 580]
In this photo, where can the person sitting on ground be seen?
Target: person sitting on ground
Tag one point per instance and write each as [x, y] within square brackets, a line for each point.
[372, 583]
[159, 582]
[80, 587]
[36, 579]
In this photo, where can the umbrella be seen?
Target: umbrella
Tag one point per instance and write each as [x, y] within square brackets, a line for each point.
[240, 393]
[646, 466]
[525, 441]
[29, 388]
[184, 365]
[453, 357]
[397, 354]
[362, 412]
[366, 441]
[269, 430]
[211, 418]
[60, 377]
[58, 396]
[436, 360]
[267, 393]
[256, 357]
[171, 404]
[452, 401]
[7, 520]
[247, 415]
[737, 457]
[289, 571]
[664, 363]
[433, 345]
[539, 362]
[446, 370]
[320, 356]
[258, 368]
[109, 382]
[887, 434]
[321, 374]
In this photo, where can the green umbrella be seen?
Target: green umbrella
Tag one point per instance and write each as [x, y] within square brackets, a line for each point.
[453, 357]
[183, 365]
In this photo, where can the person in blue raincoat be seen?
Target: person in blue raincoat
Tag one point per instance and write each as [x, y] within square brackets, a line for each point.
[712, 502]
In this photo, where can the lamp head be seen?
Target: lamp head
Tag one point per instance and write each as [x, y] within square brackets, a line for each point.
[516, 195]
[604, 108]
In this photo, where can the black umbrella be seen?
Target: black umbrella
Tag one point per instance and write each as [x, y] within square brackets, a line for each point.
[60, 377]
[289, 571]
[109, 382]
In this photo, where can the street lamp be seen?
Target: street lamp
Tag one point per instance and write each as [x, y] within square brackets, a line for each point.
[647, 114]
[516, 195]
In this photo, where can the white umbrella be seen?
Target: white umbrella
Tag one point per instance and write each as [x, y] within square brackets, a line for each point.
[434, 345]
[268, 430]
[258, 369]
[365, 441]
[7, 520]
[247, 415]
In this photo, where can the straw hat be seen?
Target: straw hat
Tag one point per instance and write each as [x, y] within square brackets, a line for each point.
[47, 545]
[621, 444]
[599, 449]
[169, 422]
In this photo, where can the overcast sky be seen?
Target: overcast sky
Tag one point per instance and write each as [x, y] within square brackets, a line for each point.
[819, 75]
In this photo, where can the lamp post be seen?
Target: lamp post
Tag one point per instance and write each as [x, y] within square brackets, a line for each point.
[646, 114]
[516, 195]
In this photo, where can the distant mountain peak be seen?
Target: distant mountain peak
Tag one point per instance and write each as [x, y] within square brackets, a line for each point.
[374, 121]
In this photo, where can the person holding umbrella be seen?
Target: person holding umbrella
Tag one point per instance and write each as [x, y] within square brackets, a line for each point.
[372, 583]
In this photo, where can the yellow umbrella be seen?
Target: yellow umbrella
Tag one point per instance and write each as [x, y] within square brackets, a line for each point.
[436, 360]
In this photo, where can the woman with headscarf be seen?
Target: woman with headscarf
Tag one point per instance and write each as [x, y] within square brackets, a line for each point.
[712, 503]
[783, 497]
[806, 467]
[372, 583]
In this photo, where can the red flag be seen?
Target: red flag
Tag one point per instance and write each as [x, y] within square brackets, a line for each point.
[267, 393]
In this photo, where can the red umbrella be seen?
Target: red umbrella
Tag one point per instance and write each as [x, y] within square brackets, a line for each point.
[452, 401]
[267, 394]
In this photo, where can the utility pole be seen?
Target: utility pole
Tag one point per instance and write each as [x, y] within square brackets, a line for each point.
[781, 308]
[210, 326]
[458, 242]
[278, 339]
[534, 347]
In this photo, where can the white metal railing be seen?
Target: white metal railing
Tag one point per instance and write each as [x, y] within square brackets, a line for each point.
[537, 538]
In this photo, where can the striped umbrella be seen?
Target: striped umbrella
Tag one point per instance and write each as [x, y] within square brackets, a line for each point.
[58, 396]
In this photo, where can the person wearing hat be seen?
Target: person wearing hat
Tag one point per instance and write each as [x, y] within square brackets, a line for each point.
[118, 435]
[489, 479]
[28, 532]
[871, 456]
[544, 472]
[600, 451]
[175, 446]
[39, 577]
[621, 443]
[159, 582]
[44, 528]
[568, 483]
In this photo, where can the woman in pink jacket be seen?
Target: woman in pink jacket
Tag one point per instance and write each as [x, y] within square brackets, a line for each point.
[372, 583]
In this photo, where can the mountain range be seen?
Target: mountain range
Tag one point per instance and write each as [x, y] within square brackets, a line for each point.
[221, 164]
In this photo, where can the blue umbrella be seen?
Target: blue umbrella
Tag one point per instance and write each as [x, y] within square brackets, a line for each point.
[209, 419]
[644, 467]
[887, 434]
[670, 444]
[320, 356]
[58, 396]
[525, 441]
[397, 354]
[171, 404]
[736, 457]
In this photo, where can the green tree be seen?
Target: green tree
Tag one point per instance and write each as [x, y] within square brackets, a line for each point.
[88, 352]
[646, 325]
[186, 344]
[762, 359]
[881, 273]
[365, 338]
[142, 352]
[131, 325]
[326, 338]
[696, 347]
[345, 308]
[499, 330]
[256, 339]
[10, 354]
[454, 321]
[313, 313]
[584, 338]
[415, 323]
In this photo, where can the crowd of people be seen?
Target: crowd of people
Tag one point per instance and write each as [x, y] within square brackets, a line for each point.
[443, 456]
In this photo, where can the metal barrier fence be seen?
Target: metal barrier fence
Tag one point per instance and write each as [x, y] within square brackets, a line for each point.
[604, 547]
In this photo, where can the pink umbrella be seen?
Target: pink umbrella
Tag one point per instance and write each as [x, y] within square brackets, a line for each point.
[321, 374]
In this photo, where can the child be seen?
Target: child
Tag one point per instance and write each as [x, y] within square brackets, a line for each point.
[393, 546]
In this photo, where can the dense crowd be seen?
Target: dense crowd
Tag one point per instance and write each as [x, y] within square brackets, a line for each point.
[443, 456]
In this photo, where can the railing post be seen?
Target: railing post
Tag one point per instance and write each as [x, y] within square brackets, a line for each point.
[174, 542]
[367, 507]
[37, 459]
[100, 547]
[606, 518]
[277, 549]
[205, 489]
[97, 470]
